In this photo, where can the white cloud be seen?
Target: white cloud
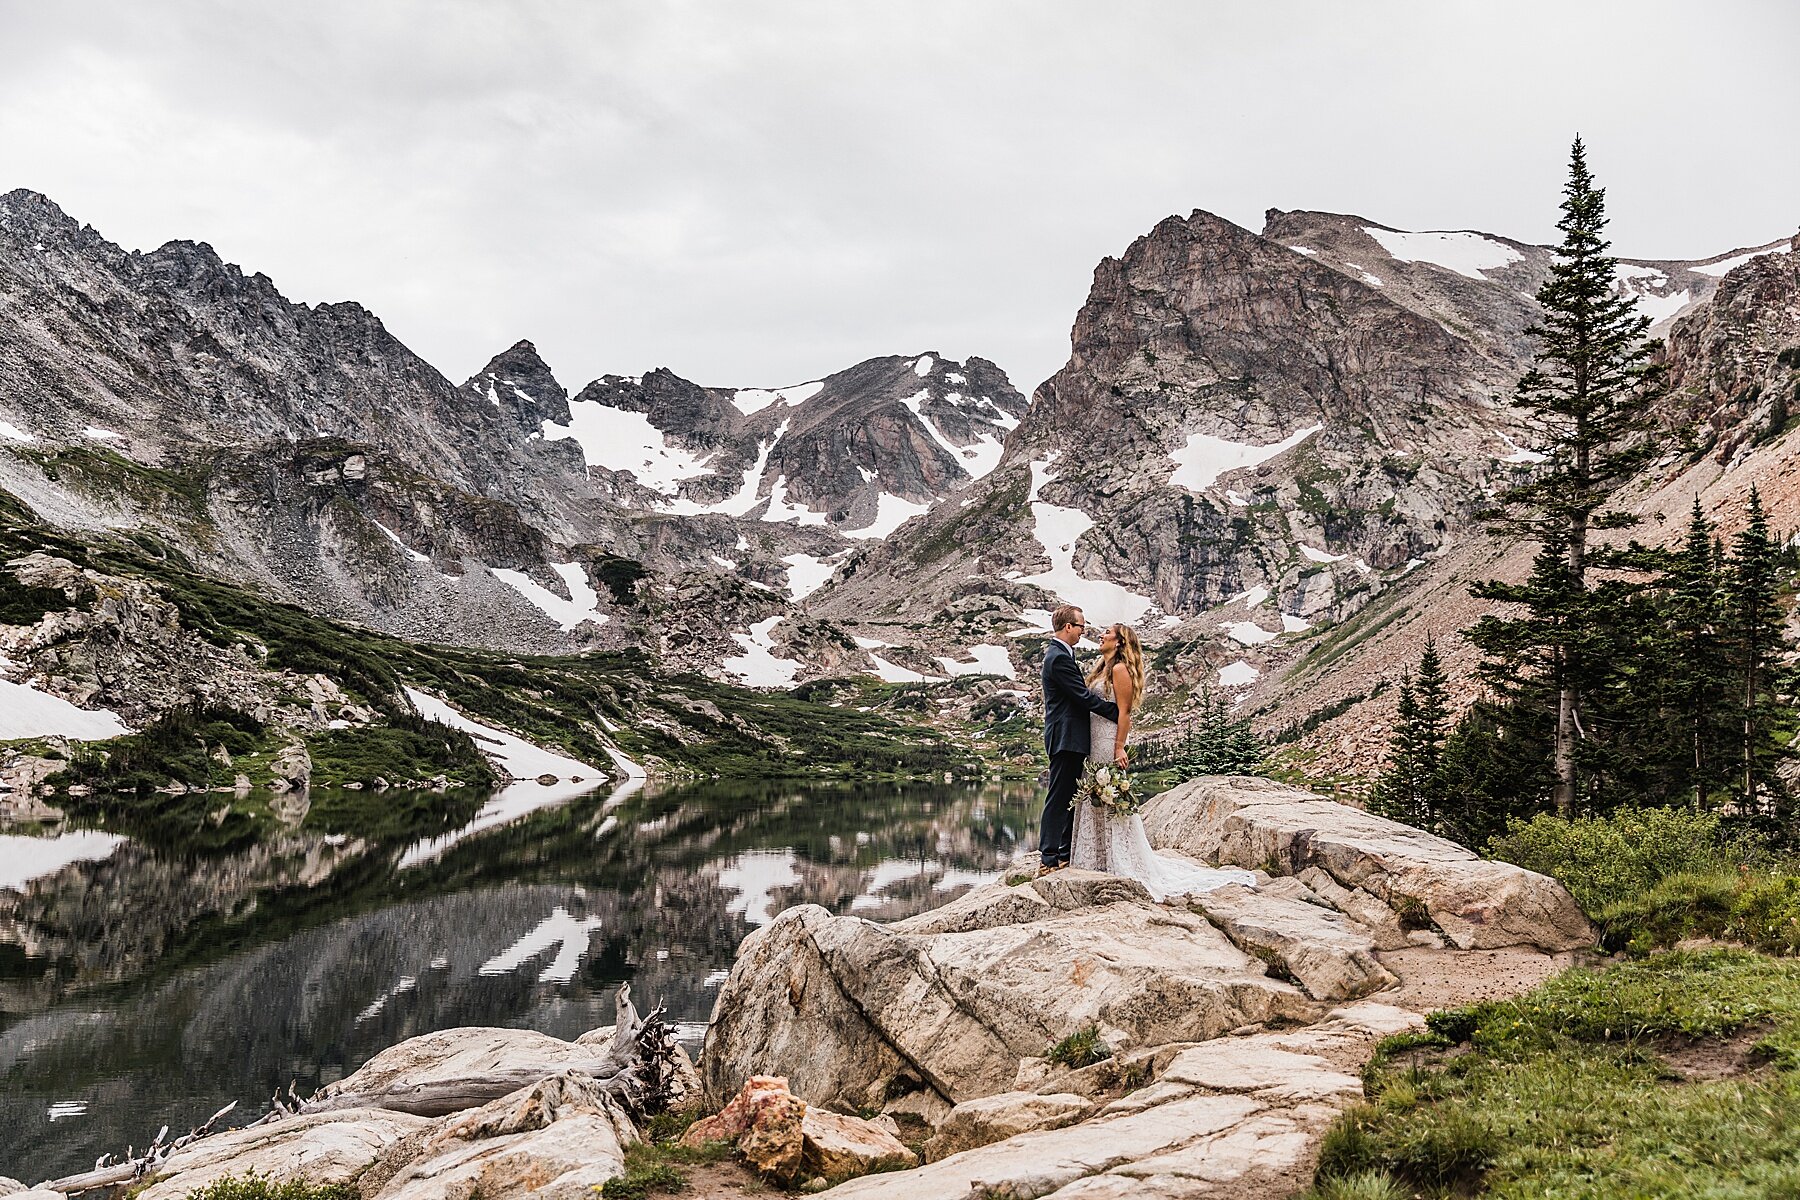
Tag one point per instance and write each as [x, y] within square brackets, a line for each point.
[774, 191]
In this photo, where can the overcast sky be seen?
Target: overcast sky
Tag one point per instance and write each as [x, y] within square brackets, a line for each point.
[759, 193]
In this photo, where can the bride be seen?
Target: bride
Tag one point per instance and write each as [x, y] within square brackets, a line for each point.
[1115, 844]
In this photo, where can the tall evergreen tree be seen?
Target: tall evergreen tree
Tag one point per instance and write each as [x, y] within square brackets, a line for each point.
[1755, 628]
[1433, 703]
[1587, 396]
[1397, 792]
[1412, 785]
[1692, 663]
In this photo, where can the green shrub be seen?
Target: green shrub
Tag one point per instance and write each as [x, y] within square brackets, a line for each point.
[1083, 1048]
[1615, 858]
[1766, 914]
[251, 1186]
[406, 748]
[1686, 904]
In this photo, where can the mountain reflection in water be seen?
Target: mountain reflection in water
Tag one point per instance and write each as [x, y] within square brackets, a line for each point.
[150, 986]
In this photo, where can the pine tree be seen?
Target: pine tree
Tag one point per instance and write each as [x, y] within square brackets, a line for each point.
[1755, 628]
[1218, 743]
[1412, 785]
[1433, 702]
[1692, 664]
[1587, 396]
[1397, 793]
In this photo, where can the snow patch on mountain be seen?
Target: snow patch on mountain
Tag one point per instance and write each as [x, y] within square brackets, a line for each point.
[582, 604]
[989, 660]
[780, 509]
[1519, 454]
[751, 401]
[1725, 266]
[806, 574]
[1238, 674]
[1248, 633]
[759, 665]
[891, 512]
[1468, 254]
[25, 712]
[744, 499]
[626, 441]
[523, 760]
[1057, 530]
[1204, 458]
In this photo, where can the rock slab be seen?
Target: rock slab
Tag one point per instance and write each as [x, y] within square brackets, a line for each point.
[858, 1014]
[1258, 823]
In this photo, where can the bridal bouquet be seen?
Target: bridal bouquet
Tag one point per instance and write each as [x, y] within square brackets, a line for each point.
[1108, 788]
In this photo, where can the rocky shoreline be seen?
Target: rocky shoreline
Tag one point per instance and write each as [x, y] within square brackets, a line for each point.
[1213, 1042]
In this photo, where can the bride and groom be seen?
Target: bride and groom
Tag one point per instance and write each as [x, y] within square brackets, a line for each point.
[1082, 725]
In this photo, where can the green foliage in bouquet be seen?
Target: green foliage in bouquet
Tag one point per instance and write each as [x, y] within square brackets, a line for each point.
[1108, 787]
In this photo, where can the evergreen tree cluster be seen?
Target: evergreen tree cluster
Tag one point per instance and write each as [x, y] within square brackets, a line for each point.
[1216, 743]
[1615, 674]
[1413, 787]
[1686, 700]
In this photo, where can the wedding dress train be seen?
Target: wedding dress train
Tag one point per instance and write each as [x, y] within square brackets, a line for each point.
[1118, 846]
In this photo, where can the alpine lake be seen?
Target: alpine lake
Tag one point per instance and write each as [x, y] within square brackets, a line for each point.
[144, 985]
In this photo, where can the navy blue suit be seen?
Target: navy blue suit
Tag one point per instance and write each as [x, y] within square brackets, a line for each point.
[1067, 703]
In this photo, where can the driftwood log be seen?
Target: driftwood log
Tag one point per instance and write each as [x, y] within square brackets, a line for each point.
[636, 1069]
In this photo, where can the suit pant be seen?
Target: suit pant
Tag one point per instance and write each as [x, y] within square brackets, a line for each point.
[1055, 826]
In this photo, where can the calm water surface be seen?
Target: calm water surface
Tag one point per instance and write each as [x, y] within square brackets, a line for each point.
[143, 985]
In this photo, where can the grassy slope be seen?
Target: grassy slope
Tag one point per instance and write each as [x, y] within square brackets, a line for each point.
[1675, 1076]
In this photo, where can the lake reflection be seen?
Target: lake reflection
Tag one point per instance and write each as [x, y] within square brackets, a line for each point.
[147, 987]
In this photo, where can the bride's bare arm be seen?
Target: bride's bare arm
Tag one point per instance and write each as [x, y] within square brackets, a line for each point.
[1126, 697]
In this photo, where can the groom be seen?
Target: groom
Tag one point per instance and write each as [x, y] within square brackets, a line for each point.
[1067, 703]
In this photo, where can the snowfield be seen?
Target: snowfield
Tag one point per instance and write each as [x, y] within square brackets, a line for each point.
[1057, 530]
[1468, 254]
[751, 401]
[891, 512]
[626, 441]
[806, 575]
[989, 660]
[758, 665]
[1726, 266]
[26, 712]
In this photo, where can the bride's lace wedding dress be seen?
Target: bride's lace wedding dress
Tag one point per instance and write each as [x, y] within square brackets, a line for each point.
[1117, 845]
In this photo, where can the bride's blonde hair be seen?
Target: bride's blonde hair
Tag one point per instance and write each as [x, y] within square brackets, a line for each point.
[1127, 650]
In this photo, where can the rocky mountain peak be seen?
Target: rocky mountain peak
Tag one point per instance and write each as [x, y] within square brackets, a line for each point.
[25, 211]
[520, 381]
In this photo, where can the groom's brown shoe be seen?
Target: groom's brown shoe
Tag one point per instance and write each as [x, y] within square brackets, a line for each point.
[1048, 868]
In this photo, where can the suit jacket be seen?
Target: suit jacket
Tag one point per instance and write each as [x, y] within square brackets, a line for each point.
[1067, 702]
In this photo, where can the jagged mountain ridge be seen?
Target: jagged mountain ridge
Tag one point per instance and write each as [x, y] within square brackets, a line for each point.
[304, 450]
[861, 449]
[1238, 415]
[1256, 417]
